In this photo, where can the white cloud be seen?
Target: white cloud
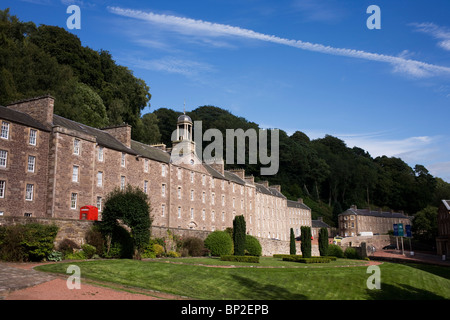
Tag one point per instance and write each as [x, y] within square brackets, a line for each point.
[437, 32]
[171, 65]
[190, 26]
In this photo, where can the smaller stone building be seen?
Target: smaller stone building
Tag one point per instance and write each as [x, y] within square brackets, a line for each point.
[443, 238]
[353, 221]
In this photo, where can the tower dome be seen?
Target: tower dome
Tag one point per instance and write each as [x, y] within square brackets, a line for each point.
[184, 118]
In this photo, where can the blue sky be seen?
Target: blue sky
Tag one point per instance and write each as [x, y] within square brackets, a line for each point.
[308, 65]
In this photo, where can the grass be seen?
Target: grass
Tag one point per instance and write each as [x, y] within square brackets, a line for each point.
[271, 279]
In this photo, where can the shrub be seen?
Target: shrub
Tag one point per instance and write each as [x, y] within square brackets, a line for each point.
[88, 250]
[249, 259]
[195, 246]
[253, 246]
[239, 237]
[323, 241]
[67, 246]
[292, 248]
[173, 254]
[219, 243]
[350, 253]
[55, 256]
[132, 208]
[30, 242]
[158, 250]
[298, 258]
[335, 251]
[306, 241]
[95, 238]
[281, 256]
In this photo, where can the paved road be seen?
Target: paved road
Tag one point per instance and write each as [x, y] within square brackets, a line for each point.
[15, 278]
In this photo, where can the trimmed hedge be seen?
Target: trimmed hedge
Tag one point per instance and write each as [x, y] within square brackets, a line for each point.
[308, 260]
[250, 259]
[252, 246]
[219, 243]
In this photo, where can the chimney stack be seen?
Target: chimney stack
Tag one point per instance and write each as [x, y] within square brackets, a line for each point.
[40, 108]
[121, 133]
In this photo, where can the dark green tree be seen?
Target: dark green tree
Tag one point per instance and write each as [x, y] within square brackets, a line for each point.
[239, 235]
[292, 248]
[305, 238]
[323, 241]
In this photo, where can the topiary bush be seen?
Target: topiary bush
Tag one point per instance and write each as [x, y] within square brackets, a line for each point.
[253, 246]
[249, 259]
[239, 236]
[219, 243]
[335, 251]
[350, 253]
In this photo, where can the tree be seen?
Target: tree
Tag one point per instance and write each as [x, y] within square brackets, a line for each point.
[425, 224]
[323, 241]
[130, 207]
[292, 249]
[305, 241]
[239, 235]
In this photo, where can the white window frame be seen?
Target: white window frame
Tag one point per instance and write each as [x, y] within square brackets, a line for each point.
[122, 182]
[33, 137]
[145, 186]
[99, 203]
[163, 190]
[75, 173]
[76, 147]
[2, 189]
[4, 134]
[73, 200]
[3, 158]
[99, 179]
[29, 192]
[163, 210]
[145, 165]
[31, 165]
[123, 161]
[100, 155]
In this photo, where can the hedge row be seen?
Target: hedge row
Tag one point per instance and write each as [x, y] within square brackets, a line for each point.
[308, 260]
[250, 259]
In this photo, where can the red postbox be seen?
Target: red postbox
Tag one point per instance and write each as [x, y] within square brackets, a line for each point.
[89, 213]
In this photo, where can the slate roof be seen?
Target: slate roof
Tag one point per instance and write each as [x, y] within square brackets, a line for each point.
[150, 152]
[367, 212]
[269, 191]
[103, 138]
[319, 224]
[296, 204]
[21, 118]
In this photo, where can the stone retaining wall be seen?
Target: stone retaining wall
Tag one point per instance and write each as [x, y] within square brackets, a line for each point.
[75, 230]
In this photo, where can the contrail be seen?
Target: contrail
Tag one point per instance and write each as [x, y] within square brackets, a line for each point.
[211, 29]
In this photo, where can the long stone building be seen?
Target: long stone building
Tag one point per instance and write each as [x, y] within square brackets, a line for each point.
[50, 167]
[353, 221]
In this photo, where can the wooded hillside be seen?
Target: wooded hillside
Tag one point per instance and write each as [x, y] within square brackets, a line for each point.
[89, 87]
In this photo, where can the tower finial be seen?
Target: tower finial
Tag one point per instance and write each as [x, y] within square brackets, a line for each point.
[184, 107]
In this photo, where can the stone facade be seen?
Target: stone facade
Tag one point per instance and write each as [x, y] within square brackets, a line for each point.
[354, 221]
[77, 165]
[443, 238]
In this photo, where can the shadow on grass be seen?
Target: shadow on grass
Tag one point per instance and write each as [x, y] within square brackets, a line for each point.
[401, 292]
[440, 271]
[256, 291]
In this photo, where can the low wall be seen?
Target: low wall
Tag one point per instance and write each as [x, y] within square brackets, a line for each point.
[74, 230]
[378, 241]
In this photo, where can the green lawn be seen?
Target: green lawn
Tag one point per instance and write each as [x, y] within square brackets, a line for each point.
[289, 281]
